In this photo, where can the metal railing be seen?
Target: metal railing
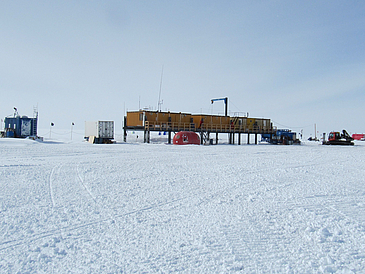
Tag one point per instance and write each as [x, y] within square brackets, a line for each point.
[176, 126]
[165, 126]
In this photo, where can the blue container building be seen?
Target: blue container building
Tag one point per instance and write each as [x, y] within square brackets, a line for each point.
[20, 126]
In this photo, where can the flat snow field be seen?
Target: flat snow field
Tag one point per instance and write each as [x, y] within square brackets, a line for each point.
[156, 208]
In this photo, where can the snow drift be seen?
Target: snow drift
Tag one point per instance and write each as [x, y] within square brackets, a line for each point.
[122, 208]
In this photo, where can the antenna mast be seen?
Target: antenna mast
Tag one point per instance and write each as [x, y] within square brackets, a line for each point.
[159, 95]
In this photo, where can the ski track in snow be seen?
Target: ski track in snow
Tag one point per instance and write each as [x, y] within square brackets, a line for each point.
[51, 178]
[54, 232]
[84, 185]
[158, 208]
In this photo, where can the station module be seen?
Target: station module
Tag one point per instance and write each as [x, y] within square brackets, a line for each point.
[20, 126]
[99, 132]
[203, 124]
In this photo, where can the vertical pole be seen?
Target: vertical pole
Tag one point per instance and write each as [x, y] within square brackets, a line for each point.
[248, 138]
[324, 139]
[50, 130]
[255, 138]
[233, 138]
[144, 136]
[216, 138]
[148, 136]
[239, 138]
[169, 141]
[315, 132]
[125, 129]
[226, 110]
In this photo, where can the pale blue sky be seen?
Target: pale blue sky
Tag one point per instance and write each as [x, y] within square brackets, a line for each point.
[295, 62]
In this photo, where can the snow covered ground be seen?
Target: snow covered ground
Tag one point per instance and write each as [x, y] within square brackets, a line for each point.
[73, 207]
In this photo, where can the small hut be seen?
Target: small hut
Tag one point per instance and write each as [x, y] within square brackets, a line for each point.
[20, 126]
[186, 138]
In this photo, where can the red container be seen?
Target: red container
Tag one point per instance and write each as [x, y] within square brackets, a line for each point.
[358, 136]
[186, 138]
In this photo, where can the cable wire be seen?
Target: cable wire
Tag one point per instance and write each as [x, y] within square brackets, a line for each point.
[289, 126]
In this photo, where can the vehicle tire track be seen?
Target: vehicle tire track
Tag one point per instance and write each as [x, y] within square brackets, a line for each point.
[50, 183]
[61, 230]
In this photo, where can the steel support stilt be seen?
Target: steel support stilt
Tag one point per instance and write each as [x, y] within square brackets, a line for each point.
[125, 129]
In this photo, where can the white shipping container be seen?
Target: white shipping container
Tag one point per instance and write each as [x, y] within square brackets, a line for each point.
[99, 129]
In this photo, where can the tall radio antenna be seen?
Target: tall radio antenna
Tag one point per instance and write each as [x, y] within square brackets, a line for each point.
[159, 95]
